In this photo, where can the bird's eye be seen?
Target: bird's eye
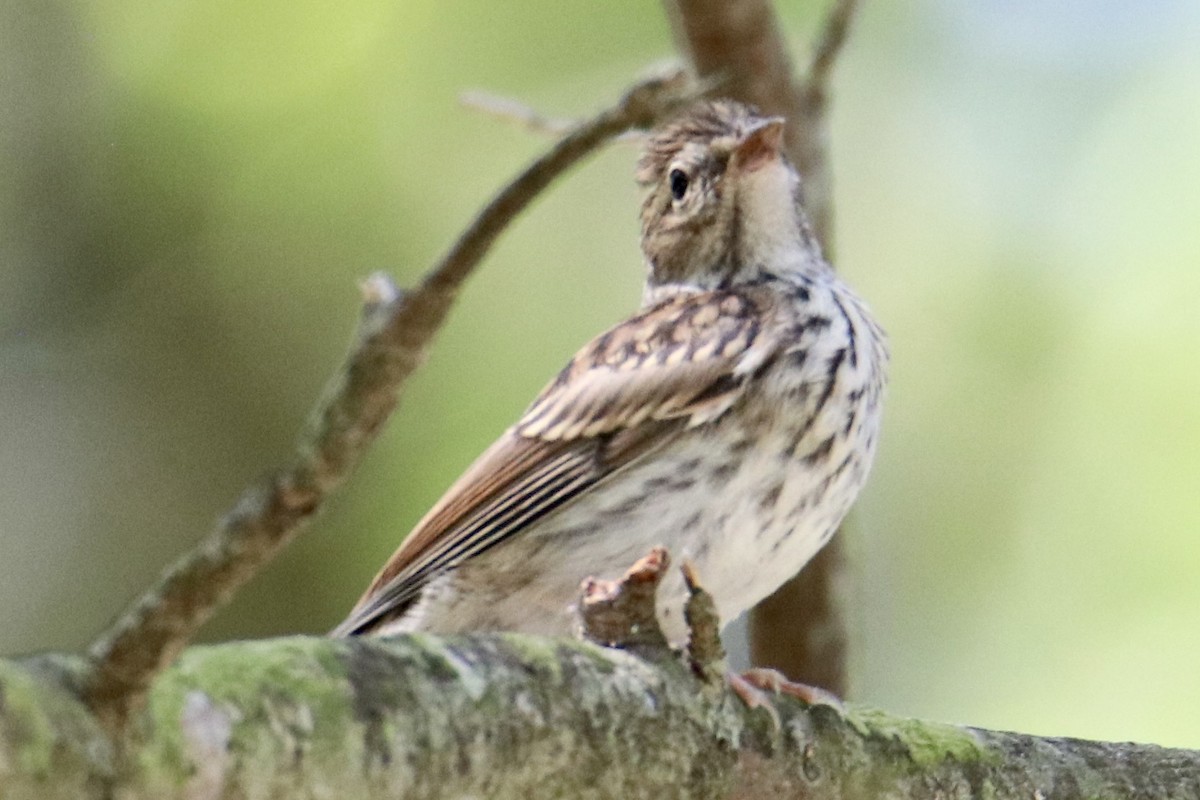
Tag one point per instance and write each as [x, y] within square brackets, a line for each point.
[679, 183]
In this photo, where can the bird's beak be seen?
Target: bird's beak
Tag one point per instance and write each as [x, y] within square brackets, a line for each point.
[761, 145]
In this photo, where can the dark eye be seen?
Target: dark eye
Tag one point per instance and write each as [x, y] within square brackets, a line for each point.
[679, 183]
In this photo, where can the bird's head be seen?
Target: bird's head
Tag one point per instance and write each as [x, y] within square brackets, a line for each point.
[724, 202]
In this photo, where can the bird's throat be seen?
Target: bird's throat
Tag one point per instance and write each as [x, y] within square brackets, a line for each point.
[770, 226]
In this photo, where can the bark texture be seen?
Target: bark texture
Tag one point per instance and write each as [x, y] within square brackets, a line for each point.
[503, 716]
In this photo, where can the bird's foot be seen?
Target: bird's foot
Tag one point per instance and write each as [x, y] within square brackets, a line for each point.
[764, 679]
[759, 686]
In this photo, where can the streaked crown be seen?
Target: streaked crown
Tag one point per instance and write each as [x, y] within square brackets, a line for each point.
[712, 127]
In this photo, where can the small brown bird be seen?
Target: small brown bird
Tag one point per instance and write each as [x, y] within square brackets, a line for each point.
[733, 419]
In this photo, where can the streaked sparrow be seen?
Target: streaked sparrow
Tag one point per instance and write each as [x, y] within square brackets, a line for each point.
[732, 419]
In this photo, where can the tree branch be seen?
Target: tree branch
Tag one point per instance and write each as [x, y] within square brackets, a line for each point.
[503, 715]
[393, 337]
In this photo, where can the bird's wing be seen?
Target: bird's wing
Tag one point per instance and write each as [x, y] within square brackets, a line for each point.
[676, 365]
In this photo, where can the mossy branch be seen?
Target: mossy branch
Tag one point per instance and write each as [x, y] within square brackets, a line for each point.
[501, 716]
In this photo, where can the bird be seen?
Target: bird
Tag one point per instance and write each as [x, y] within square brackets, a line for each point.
[733, 418]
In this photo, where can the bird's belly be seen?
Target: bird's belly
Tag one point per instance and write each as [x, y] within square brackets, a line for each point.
[749, 516]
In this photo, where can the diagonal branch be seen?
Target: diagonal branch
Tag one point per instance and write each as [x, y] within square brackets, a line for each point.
[393, 337]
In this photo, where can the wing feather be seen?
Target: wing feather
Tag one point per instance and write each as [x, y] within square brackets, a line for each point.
[633, 389]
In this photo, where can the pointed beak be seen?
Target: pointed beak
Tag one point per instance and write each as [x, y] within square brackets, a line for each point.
[761, 145]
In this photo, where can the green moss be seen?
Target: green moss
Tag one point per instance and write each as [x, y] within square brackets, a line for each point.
[164, 754]
[285, 682]
[926, 743]
[288, 702]
[537, 651]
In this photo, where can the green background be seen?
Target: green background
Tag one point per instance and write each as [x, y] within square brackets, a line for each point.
[189, 192]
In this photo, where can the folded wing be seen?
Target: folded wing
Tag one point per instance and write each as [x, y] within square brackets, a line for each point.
[630, 391]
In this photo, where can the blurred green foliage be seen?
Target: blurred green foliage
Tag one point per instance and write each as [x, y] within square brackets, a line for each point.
[190, 191]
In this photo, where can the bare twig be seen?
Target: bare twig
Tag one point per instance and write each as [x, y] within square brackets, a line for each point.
[812, 142]
[508, 109]
[833, 36]
[641, 107]
[743, 40]
[393, 337]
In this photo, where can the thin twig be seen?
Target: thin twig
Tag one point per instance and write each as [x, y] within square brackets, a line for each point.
[812, 143]
[392, 339]
[834, 33]
[641, 107]
[508, 109]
